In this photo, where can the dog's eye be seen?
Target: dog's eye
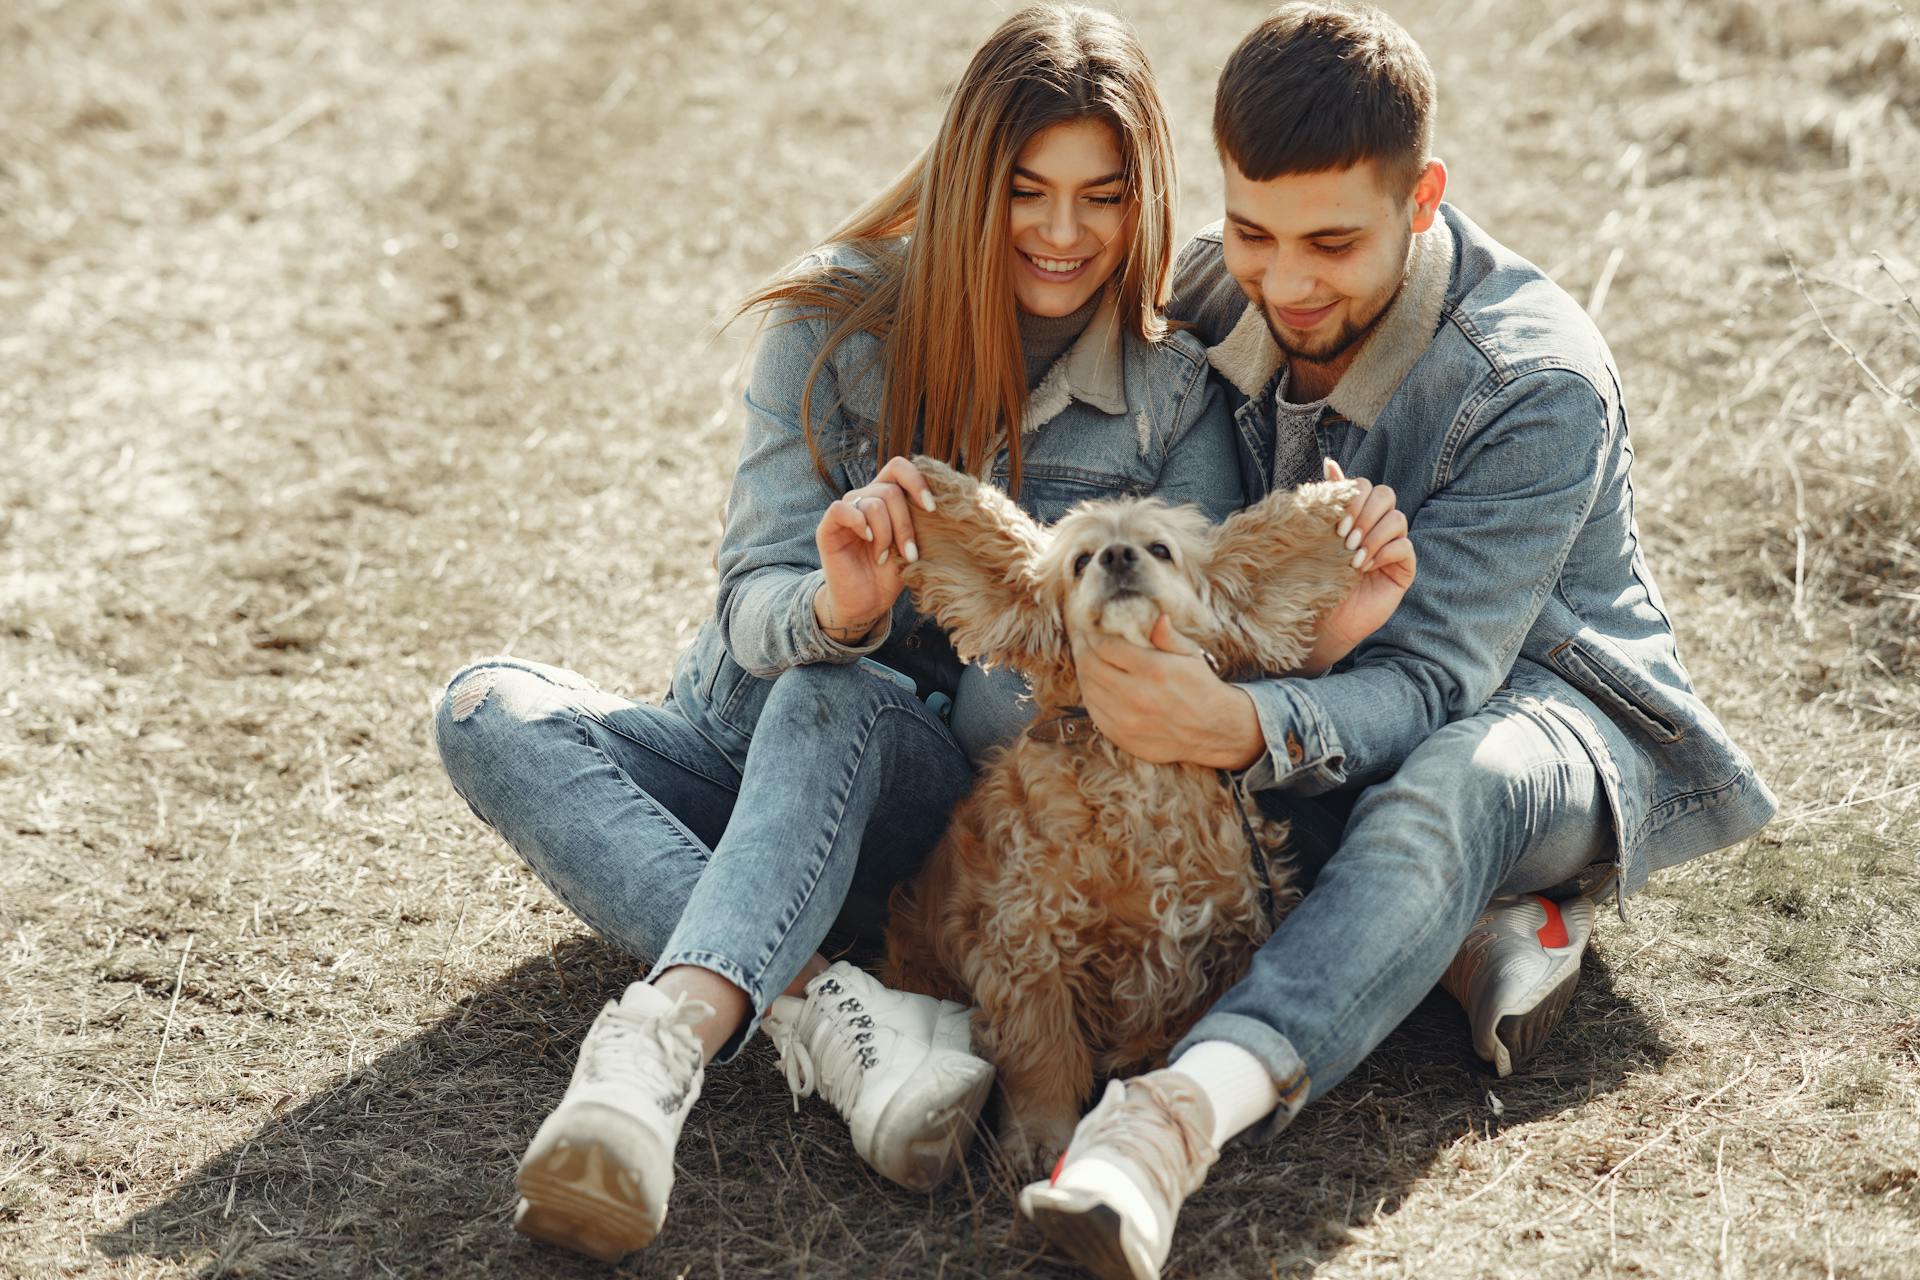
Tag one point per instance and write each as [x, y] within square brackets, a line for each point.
[1081, 561]
[1160, 550]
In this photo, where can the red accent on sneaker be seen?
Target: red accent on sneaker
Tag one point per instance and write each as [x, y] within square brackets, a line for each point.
[1058, 1165]
[1554, 932]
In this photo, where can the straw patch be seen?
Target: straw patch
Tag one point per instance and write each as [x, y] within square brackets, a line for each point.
[344, 343]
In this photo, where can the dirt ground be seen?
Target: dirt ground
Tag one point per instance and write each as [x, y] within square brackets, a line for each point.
[343, 342]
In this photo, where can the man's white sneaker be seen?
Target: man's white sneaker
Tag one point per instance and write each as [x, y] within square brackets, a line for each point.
[596, 1176]
[1114, 1196]
[1516, 971]
[899, 1067]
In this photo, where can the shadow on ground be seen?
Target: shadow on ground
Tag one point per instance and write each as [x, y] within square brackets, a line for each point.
[405, 1167]
[1289, 1205]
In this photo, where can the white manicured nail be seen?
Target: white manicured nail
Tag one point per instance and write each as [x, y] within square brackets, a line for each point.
[926, 500]
[866, 531]
[1353, 539]
[1358, 556]
[913, 552]
[884, 553]
[1346, 523]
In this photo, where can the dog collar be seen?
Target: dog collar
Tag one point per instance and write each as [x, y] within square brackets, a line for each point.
[1070, 726]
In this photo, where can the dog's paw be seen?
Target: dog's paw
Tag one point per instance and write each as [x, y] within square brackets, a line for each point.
[1031, 1144]
[1026, 1155]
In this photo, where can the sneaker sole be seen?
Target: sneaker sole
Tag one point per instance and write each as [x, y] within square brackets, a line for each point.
[1090, 1234]
[1524, 1034]
[922, 1138]
[577, 1196]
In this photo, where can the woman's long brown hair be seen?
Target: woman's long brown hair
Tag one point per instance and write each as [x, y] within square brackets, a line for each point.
[936, 288]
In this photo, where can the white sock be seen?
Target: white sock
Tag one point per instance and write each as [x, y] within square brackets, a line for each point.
[1234, 1081]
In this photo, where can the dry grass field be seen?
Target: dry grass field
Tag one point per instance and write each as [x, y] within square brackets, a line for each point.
[342, 342]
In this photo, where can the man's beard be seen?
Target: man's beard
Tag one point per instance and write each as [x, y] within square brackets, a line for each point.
[1349, 336]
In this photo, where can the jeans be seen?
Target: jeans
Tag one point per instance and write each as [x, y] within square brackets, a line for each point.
[673, 849]
[1506, 801]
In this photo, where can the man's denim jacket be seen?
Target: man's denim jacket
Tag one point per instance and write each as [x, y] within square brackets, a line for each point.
[1113, 416]
[1490, 403]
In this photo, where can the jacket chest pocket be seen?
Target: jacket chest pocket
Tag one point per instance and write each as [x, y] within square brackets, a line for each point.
[859, 470]
[1048, 493]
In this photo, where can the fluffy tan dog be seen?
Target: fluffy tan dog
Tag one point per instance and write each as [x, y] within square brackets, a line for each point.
[1091, 904]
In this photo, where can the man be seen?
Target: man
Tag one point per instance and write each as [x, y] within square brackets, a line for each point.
[1521, 731]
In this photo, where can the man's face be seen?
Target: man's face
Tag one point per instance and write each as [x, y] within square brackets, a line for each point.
[1323, 254]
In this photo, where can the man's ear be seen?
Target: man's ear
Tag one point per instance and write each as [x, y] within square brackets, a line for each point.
[978, 575]
[1428, 190]
[1276, 568]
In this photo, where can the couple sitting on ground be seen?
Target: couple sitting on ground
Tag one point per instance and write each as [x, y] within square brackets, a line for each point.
[1469, 760]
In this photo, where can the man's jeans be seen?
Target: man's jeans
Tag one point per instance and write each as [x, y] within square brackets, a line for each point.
[671, 849]
[1506, 801]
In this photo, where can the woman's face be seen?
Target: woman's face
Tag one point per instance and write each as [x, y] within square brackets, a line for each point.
[1069, 218]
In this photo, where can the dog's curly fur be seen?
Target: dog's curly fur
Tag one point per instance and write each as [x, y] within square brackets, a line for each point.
[1091, 904]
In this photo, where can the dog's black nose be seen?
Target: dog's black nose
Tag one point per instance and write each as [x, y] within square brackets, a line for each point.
[1118, 557]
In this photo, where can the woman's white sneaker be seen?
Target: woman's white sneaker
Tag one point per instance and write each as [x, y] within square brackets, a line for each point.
[595, 1178]
[899, 1067]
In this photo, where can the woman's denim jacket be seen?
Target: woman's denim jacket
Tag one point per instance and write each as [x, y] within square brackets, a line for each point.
[1491, 404]
[1114, 415]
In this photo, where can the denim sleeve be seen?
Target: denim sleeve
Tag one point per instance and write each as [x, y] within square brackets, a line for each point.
[1205, 296]
[1202, 465]
[769, 566]
[1492, 539]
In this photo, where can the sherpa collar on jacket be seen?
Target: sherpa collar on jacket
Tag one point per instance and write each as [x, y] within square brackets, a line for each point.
[1092, 371]
[1248, 357]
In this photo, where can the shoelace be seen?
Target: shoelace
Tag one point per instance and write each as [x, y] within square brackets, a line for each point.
[1157, 1136]
[832, 1030]
[637, 1049]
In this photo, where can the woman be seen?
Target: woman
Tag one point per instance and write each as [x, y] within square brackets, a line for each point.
[1011, 278]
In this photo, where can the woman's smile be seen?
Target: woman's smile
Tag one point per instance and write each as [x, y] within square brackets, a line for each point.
[1053, 270]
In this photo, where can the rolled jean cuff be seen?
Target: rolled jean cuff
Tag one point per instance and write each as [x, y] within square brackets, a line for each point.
[1275, 1052]
[1303, 751]
[732, 972]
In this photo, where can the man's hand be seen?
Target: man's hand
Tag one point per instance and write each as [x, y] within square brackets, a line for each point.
[1165, 704]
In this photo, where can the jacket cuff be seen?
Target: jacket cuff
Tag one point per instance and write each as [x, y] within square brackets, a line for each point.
[812, 644]
[1303, 752]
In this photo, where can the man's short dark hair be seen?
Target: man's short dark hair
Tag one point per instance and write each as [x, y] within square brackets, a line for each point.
[1321, 86]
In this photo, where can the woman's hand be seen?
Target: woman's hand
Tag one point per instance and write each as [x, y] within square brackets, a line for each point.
[863, 538]
[1376, 533]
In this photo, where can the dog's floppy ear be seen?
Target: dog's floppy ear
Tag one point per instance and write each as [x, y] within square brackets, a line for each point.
[1276, 568]
[978, 573]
